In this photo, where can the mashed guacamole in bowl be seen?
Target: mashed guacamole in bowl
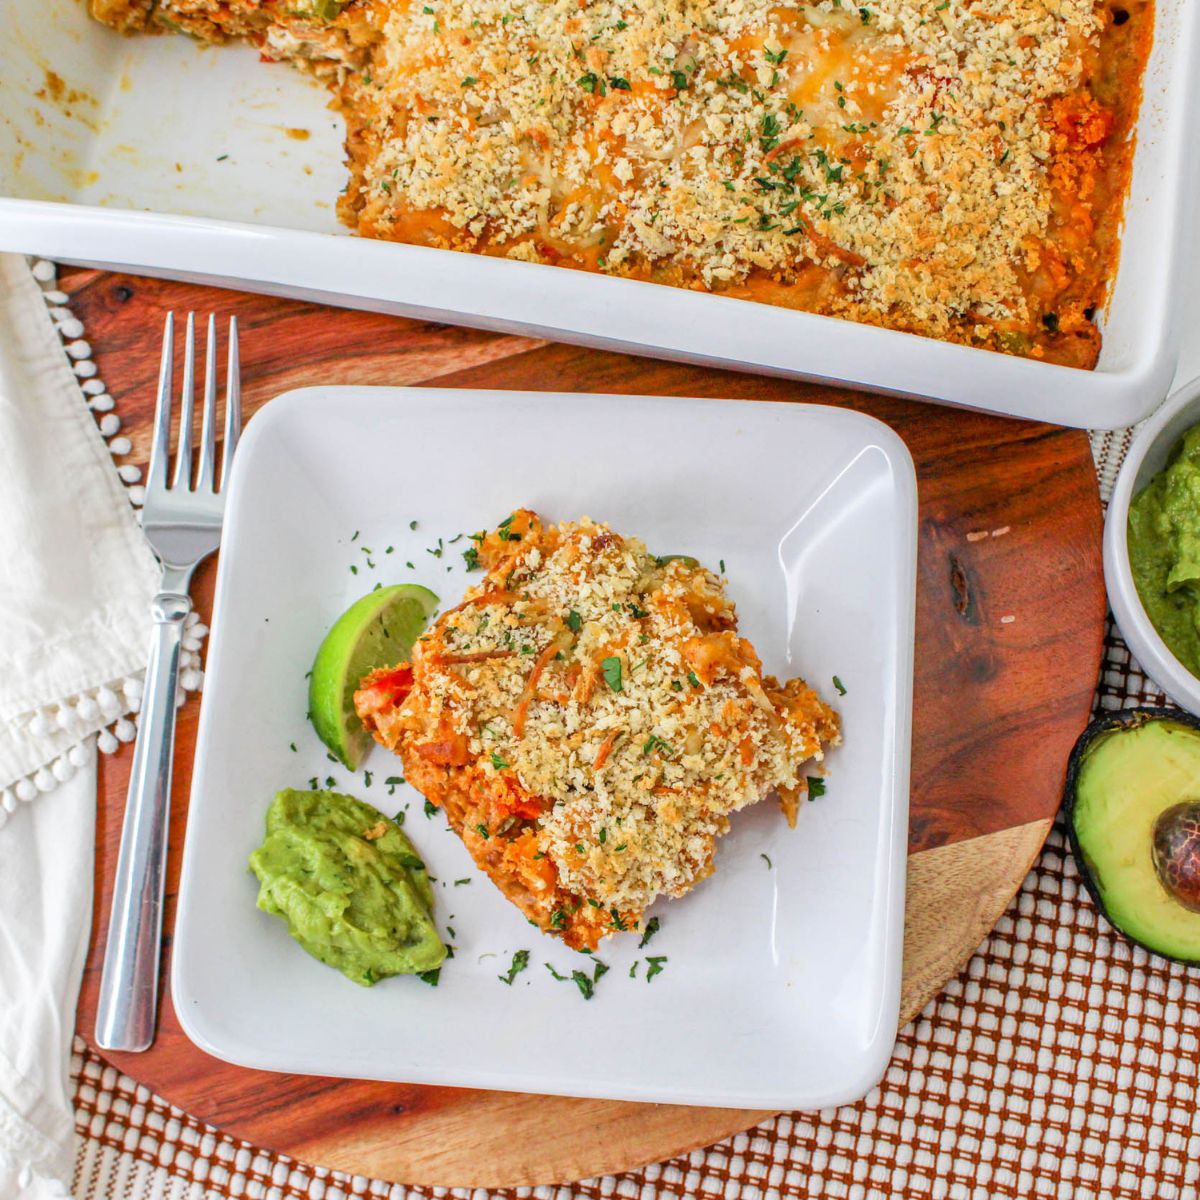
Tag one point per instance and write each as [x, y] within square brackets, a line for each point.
[1164, 550]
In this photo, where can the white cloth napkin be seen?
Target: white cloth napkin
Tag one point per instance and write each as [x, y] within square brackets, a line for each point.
[77, 574]
[75, 587]
[46, 899]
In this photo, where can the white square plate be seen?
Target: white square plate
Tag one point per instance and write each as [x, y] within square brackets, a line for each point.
[781, 982]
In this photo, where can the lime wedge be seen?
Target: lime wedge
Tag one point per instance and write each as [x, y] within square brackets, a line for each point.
[376, 631]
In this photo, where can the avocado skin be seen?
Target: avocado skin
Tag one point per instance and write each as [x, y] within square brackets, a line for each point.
[1118, 720]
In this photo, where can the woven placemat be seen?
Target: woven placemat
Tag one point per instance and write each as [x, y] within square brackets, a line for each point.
[1061, 1063]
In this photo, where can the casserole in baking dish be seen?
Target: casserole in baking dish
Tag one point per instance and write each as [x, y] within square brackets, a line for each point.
[114, 152]
[954, 168]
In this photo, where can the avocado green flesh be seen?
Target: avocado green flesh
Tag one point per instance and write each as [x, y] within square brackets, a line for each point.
[362, 905]
[1128, 779]
[1164, 550]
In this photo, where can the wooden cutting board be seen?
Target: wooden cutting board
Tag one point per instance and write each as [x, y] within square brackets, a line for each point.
[1010, 621]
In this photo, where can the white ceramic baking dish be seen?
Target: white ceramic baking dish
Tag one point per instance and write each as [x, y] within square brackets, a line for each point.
[168, 158]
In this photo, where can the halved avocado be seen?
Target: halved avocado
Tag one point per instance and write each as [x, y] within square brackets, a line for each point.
[1133, 808]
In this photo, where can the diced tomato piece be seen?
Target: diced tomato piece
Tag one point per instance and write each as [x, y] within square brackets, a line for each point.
[386, 688]
[451, 750]
[529, 807]
[520, 803]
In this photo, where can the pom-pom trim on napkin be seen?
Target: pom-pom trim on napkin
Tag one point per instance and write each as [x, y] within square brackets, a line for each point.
[115, 704]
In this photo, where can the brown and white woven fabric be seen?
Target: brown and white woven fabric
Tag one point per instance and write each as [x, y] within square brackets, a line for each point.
[1062, 1063]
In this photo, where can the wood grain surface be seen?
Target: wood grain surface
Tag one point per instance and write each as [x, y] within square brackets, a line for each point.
[1010, 616]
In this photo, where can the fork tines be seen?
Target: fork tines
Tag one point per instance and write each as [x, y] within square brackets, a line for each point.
[204, 479]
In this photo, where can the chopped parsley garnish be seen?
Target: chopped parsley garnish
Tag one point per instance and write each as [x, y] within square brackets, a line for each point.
[775, 57]
[367, 778]
[482, 830]
[654, 964]
[693, 679]
[431, 977]
[676, 686]
[611, 667]
[636, 613]
[650, 930]
[460, 882]
[294, 750]
[599, 969]
[633, 968]
[560, 978]
[469, 81]
[841, 687]
[399, 817]
[520, 960]
[766, 860]
[586, 987]
[574, 621]
[654, 742]
[619, 83]
[617, 923]
[768, 132]
[471, 558]
[864, 15]
[498, 762]
[558, 918]
[816, 786]
[430, 808]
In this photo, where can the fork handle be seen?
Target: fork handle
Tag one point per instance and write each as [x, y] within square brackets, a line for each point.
[129, 983]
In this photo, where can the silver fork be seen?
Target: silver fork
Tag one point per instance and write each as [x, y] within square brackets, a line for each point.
[182, 522]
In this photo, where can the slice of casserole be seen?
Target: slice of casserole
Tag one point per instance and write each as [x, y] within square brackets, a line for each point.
[588, 718]
[317, 35]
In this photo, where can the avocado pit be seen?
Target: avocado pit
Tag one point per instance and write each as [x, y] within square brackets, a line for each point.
[1176, 852]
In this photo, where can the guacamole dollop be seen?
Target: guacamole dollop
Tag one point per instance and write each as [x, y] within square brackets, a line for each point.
[1164, 550]
[349, 884]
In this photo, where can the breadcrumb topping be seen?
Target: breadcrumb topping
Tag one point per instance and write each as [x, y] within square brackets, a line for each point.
[938, 166]
[902, 146]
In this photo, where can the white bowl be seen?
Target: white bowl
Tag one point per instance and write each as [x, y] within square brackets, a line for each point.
[1147, 456]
